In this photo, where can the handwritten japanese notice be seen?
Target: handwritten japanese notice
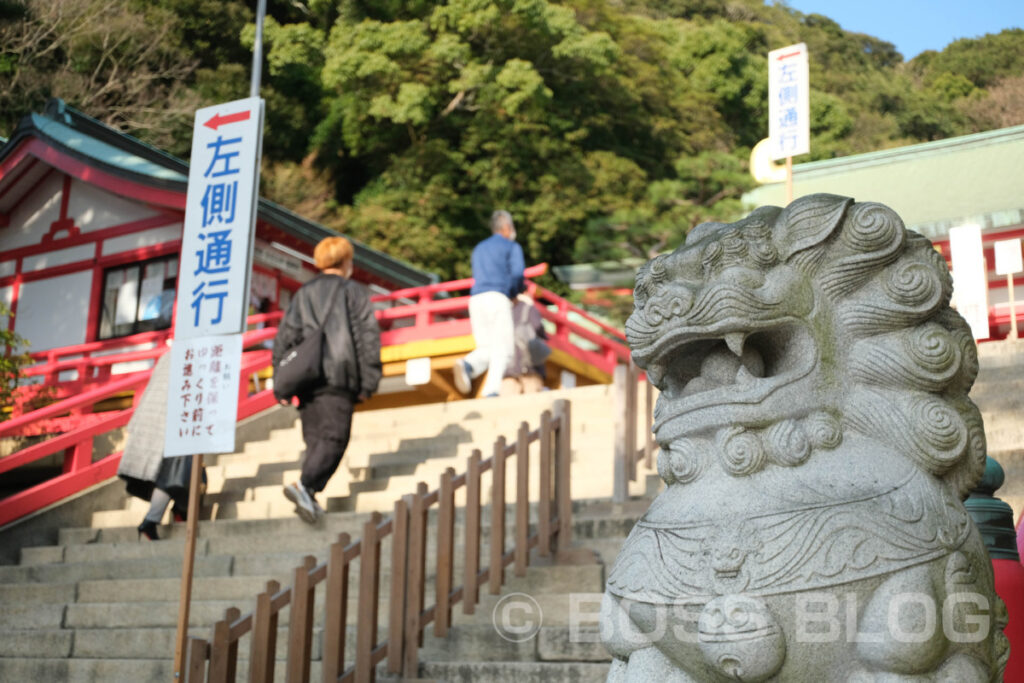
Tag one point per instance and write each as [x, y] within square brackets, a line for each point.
[789, 100]
[220, 210]
[202, 398]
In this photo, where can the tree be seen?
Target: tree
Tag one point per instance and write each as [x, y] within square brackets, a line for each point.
[106, 57]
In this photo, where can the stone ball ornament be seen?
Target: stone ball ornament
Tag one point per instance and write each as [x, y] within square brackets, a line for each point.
[816, 442]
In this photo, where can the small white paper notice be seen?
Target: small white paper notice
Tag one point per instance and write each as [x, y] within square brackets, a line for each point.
[202, 396]
[417, 371]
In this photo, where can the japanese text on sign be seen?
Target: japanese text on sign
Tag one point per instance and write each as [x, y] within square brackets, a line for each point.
[219, 216]
[788, 102]
[202, 398]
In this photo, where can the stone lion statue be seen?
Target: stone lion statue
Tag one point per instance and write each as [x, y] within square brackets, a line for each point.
[816, 442]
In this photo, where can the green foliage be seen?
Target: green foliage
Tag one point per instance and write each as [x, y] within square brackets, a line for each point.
[607, 129]
[13, 357]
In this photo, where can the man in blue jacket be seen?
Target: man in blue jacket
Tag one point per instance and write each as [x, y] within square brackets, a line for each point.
[498, 273]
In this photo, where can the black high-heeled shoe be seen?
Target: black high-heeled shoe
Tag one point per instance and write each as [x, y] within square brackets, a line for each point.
[179, 514]
[148, 529]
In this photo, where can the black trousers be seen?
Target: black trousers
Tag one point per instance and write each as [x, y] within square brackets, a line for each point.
[326, 427]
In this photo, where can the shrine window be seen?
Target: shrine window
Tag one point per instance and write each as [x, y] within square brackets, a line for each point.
[138, 297]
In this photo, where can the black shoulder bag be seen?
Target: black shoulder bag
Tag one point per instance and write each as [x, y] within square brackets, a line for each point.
[301, 369]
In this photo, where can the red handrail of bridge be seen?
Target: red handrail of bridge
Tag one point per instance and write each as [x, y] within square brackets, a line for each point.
[75, 426]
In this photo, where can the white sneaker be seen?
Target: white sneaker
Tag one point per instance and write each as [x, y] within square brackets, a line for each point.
[462, 380]
[305, 504]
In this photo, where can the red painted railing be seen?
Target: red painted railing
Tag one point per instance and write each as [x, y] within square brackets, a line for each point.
[75, 446]
[575, 331]
[77, 416]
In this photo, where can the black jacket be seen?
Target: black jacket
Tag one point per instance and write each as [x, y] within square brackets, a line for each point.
[351, 336]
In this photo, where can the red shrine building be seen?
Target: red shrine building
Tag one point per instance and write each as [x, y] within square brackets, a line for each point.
[90, 233]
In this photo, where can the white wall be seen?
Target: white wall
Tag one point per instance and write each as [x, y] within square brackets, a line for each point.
[95, 209]
[146, 238]
[31, 219]
[59, 257]
[54, 312]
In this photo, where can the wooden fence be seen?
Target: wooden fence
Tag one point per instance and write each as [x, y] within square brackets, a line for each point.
[406, 615]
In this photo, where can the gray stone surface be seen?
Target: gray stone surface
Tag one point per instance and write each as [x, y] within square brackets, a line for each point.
[816, 443]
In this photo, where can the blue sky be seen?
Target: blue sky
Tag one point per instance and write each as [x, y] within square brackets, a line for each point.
[914, 26]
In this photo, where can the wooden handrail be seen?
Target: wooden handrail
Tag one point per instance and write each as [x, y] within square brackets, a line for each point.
[407, 616]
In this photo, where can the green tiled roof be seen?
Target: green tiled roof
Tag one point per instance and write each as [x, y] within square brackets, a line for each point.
[933, 186]
[91, 147]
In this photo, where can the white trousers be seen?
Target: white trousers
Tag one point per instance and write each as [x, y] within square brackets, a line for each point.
[490, 315]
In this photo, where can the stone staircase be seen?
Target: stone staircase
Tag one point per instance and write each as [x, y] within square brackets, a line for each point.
[999, 394]
[99, 605]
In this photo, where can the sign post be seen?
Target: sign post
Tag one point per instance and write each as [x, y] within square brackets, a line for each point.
[1008, 262]
[789, 108]
[213, 282]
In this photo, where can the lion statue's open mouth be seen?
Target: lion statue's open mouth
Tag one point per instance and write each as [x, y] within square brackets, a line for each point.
[815, 433]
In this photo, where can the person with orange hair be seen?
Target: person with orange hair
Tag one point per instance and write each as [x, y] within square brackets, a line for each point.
[333, 305]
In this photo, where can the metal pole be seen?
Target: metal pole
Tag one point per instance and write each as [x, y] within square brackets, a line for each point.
[789, 180]
[187, 566]
[1013, 306]
[257, 50]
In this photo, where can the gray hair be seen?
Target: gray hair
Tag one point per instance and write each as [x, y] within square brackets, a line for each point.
[499, 218]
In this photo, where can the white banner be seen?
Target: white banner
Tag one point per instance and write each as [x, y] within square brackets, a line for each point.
[789, 98]
[202, 395]
[970, 278]
[220, 215]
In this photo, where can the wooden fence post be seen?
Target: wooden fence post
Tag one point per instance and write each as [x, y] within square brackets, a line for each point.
[563, 492]
[471, 584]
[544, 506]
[337, 611]
[264, 637]
[369, 592]
[522, 548]
[497, 568]
[399, 574]
[195, 666]
[445, 554]
[223, 652]
[300, 623]
[414, 594]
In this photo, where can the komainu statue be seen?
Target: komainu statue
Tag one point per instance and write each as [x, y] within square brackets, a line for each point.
[816, 442]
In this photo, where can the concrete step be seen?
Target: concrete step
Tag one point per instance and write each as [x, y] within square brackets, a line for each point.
[37, 593]
[51, 668]
[111, 569]
[515, 672]
[85, 670]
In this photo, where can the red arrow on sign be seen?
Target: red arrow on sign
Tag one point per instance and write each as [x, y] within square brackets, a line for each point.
[219, 120]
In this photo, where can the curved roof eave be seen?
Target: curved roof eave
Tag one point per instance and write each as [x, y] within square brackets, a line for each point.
[96, 144]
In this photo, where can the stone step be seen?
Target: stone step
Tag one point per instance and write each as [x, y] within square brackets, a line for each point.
[20, 667]
[236, 589]
[111, 569]
[37, 593]
[515, 672]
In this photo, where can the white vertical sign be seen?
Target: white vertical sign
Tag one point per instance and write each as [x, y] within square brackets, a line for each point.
[202, 395]
[1008, 257]
[789, 110]
[970, 278]
[220, 212]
